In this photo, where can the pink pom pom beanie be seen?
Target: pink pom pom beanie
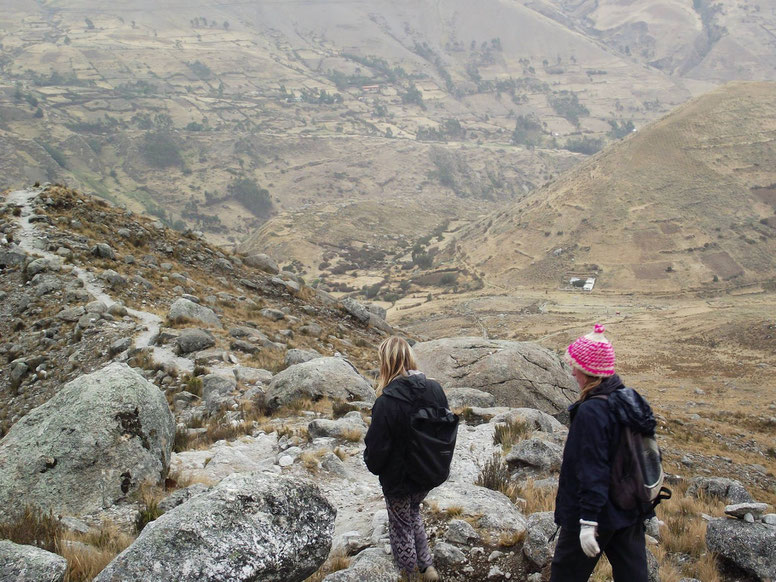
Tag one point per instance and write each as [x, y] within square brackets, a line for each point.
[592, 354]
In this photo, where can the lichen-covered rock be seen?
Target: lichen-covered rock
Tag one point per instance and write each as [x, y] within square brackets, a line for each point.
[297, 356]
[460, 397]
[183, 310]
[518, 374]
[29, 564]
[95, 442]
[371, 564]
[538, 548]
[350, 424]
[721, 488]
[334, 378]
[740, 510]
[250, 527]
[356, 309]
[750, 546]
[492, 512]
[536, 453]
[194, 340]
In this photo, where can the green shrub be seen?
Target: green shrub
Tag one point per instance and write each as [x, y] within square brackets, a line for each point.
[250, 195]
[160, 150]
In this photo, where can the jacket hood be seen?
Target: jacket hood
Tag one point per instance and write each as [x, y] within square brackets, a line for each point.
[631, 409]
[406, 388]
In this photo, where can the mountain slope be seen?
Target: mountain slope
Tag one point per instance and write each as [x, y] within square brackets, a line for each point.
[687, 202]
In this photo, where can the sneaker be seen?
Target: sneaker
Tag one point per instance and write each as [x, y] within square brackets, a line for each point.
[430, 573]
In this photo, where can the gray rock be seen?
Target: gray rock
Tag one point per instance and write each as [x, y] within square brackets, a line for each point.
[113, 278]
[448, 555]
[372, 564]
[334, 378]
[181, 496]
[96, 441]
[243, 346]
[249, 527]
[215, 387]
[39, 266]
[120, 345]
[248, 375]
[462, 397]
[194, 340]
[376, 310]
[538, 548]
[71, 314]
[333, 464]
[297, 356]
[653, 567]
[183, 310]
[494, 512]
[350, 423]
[117, 310]
[461, 532]
[769, 518]
[721, 488]
[311, 329]
[537, 453]
[356, 309]
[750, 546]
[30, 564]
[262, 262]
[103, 251]
[518, 374]
[273, 314]
[533, 419]
[740, 510]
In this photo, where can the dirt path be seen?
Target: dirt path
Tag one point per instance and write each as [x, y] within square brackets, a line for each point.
[32, 242]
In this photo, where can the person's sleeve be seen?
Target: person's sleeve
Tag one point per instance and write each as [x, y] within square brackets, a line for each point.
[593, 465]
[377, 439]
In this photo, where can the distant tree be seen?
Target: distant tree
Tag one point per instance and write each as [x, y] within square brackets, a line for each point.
[620, 130]
[89, 23]
[528, 131]
[585, 145]
[160, 150]
[38, 113]
[226, 25]
[250, 195]
[413, 96]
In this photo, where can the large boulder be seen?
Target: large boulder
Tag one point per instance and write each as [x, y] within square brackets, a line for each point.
[30, 564]
[194, 340]
[334, 378]
[96, 441]
[184, 310]
[249, 527]
[356, 309]
[262, 262]
[750, 546]
[518, 374]
[536, 453]
[730, 490]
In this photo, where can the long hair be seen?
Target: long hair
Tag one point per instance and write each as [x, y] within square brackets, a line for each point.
[396, 358]
[592, 382]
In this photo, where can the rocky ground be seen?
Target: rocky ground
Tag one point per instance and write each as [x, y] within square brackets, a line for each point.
[267, 383]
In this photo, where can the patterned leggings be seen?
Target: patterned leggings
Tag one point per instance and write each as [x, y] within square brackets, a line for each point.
[405, 527]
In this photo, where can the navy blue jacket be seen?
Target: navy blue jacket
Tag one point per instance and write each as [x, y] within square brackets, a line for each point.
[583, 486]
[388, 435]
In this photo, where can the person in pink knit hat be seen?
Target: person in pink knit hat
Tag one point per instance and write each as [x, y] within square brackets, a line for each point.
[590, 521]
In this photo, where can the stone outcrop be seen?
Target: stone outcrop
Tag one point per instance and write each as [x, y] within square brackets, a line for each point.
[250, 527]
[722, 488]
[184, 310]
[518, 374]
[262, 262]
[537, 547]
[29, 564]
[750, 546]
[371, 564]
[95, 442]
[334, 378]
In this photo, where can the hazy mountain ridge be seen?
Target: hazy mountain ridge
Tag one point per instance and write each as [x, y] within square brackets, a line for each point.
[682, 204]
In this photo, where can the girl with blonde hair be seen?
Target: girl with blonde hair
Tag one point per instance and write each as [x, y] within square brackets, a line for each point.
[400, 387]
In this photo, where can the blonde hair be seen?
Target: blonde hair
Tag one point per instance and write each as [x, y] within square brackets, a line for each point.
[592, 382]
[396, 358]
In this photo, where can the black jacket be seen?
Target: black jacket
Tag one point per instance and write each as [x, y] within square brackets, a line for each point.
[583, 486]
[387, 437]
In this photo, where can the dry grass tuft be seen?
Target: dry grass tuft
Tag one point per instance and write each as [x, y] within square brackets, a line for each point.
[88, 554]
[352, 435]
[510, 539]
[336, 562]
[341, 454]
[267, 359]
[495, 475]
[536, 498]
[33, 527]
[507, 434]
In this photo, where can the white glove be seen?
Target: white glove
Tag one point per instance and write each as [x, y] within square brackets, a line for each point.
[587, 533]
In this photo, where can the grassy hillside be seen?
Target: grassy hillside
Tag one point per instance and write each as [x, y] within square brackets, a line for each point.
[686, 203]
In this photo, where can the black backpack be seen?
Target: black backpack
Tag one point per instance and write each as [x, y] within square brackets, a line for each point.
[636, 478]
[433, 430]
